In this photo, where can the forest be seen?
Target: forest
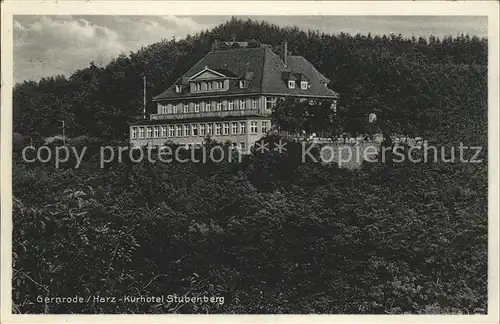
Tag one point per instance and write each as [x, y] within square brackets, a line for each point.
[394, 77]
[271, 234]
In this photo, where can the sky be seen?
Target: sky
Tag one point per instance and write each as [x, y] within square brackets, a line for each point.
[51, 45]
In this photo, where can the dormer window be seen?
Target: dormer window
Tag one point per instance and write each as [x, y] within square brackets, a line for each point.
[178, 88]
[244, 84]
[291, 84]
[303, 85]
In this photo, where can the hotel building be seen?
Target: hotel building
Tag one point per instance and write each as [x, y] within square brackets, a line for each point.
[229, 95]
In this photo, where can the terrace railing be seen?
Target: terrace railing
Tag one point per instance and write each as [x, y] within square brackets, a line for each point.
[208, 114]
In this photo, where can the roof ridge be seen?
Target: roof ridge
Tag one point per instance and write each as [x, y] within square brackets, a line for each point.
[239, 48]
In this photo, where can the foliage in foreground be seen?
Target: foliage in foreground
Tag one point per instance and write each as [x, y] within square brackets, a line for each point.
[271, 235]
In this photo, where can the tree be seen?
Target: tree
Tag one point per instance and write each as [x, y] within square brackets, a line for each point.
[297, 116]
[253, 43]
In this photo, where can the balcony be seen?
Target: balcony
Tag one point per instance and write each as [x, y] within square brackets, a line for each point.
[209, 114]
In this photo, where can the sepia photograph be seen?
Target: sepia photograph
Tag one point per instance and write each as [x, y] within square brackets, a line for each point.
[249, 164]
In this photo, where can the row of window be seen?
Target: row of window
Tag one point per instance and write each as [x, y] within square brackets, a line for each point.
[226, 128]
[208, 86]
[219, 85]
[235, 145]
[303, 85]
[219, 105]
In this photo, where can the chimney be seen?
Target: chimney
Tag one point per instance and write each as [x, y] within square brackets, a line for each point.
[285, 55]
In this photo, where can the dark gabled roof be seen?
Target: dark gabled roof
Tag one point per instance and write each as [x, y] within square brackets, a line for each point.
[263, 68]
[234, 60]
[287, 76]
[226, 72]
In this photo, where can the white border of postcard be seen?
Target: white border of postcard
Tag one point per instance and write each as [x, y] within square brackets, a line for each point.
[249, 8]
